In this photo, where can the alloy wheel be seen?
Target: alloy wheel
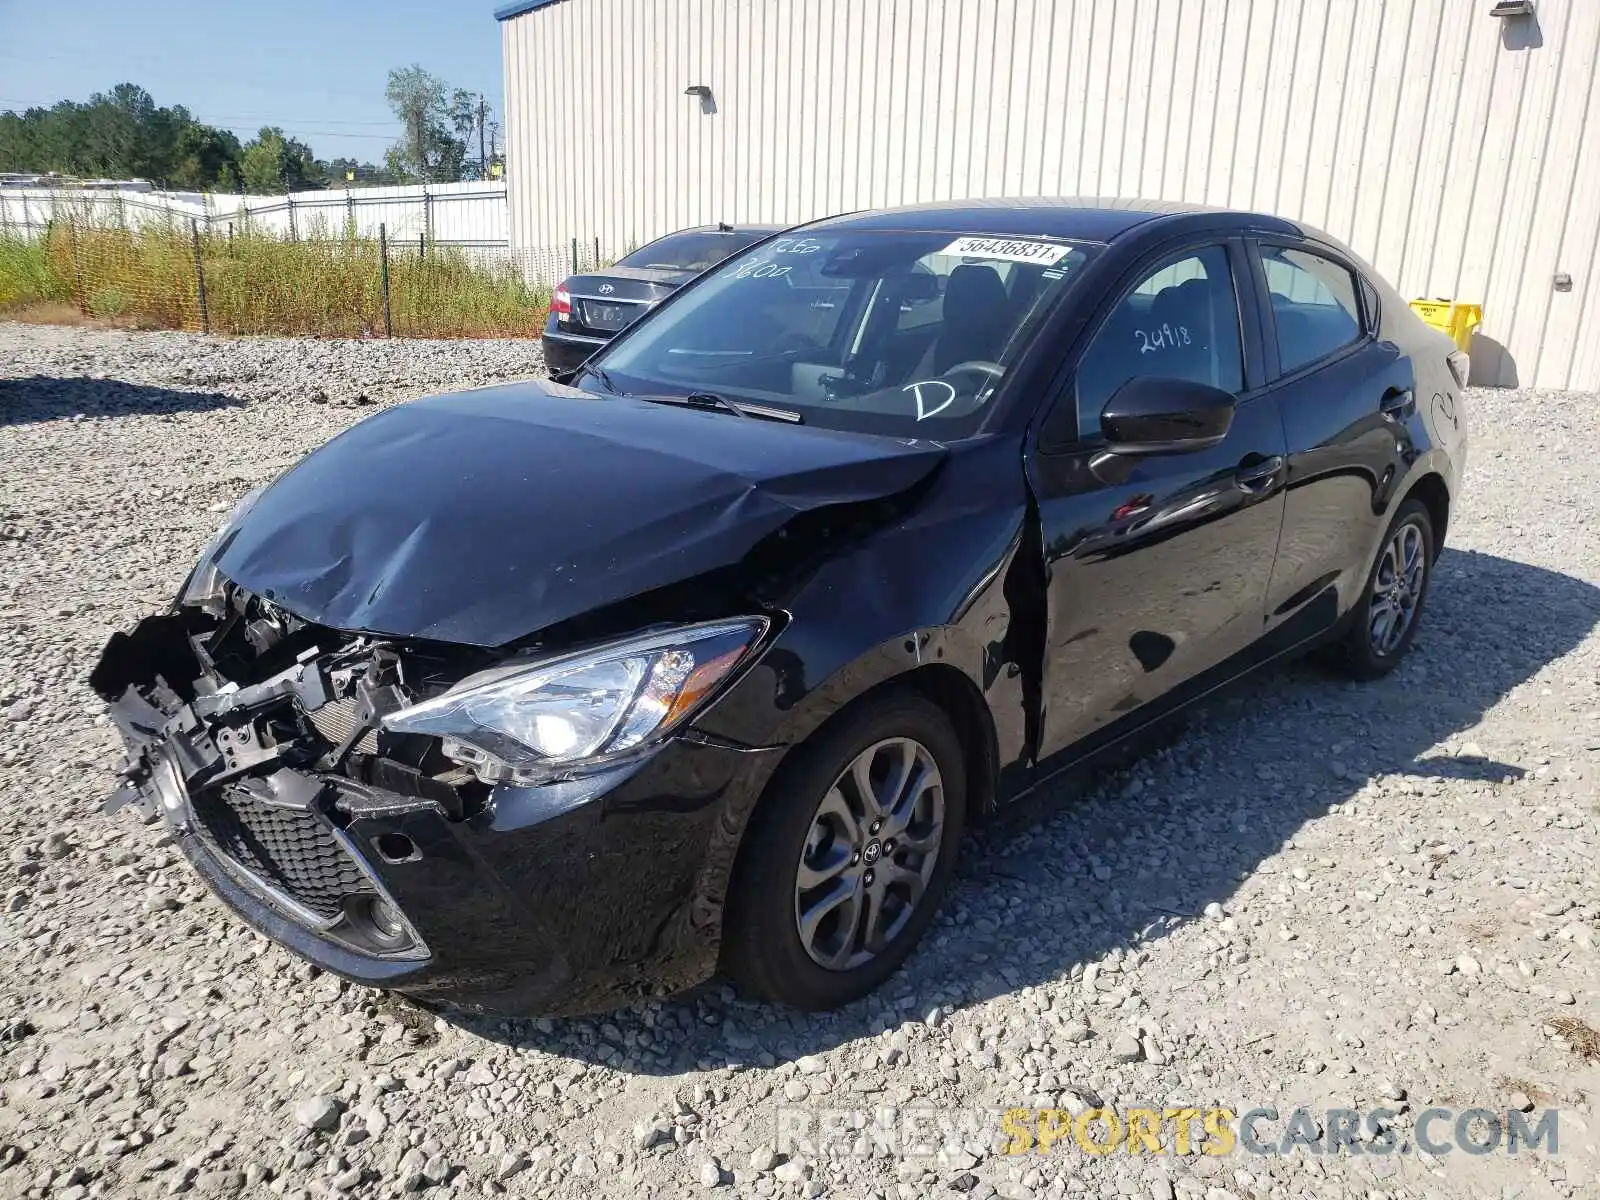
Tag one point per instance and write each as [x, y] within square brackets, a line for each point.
[869, 854]
[1397, 588]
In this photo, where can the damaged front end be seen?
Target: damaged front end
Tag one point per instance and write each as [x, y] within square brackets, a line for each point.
[256, 736]
[462, 824]
[426, 722]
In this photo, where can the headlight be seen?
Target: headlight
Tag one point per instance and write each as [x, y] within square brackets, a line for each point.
[518, 722]
[205, 581]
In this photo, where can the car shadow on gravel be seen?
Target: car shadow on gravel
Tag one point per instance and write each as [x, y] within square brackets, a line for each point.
[1083, 869]
[38, 398]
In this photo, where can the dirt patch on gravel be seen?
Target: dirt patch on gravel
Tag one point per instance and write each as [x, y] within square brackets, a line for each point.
[1579, 1035]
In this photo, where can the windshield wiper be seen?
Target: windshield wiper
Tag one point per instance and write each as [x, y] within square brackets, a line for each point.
[745, 409]
[605, 380]
[712, 400]
[723, 404]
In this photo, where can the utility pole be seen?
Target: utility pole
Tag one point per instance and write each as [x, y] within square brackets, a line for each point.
[483, 155]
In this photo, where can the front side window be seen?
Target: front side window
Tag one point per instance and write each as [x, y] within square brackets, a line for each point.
[1180, 322]
[1314, 305]
[896, 332]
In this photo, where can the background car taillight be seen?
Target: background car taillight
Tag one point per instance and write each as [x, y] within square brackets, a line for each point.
[1460, 366]
[561, 303]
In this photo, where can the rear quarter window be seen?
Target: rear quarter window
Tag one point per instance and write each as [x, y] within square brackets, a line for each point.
[1315, 305]
[1374, 311]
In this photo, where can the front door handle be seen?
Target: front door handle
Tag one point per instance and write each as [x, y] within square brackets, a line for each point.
[1398, 403]
[1260, 477]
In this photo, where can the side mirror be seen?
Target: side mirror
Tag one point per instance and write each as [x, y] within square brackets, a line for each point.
[920, 288]
[1150, 415]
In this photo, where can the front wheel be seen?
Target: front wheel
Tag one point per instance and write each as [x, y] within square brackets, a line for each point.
[846, 860]
[1385, 621]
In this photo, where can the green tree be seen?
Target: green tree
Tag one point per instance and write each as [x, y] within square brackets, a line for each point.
[122, 133]
[206, 158]
[433, 148]
[19, 141]
[275, 163]
[468, 112]
[115, 141]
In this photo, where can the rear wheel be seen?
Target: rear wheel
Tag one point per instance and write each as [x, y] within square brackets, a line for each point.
[846, 860]
[1385, 622]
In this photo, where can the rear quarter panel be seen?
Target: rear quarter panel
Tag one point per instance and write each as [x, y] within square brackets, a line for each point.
[1440, 400]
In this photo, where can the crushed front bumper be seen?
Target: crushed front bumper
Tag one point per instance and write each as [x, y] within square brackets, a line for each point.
[570, 897]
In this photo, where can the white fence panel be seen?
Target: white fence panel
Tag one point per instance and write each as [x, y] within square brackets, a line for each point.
[458, 214]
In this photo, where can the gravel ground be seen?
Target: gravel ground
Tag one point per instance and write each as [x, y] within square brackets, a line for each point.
[1319, 895]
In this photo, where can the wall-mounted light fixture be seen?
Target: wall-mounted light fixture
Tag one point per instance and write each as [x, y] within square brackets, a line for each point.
[708, 102]
[1519, 24]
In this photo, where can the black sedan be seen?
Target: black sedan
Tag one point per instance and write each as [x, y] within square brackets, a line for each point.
[545, 699]
[588, 310]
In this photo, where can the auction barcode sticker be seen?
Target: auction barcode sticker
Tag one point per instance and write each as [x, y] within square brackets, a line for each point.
[1046, 254]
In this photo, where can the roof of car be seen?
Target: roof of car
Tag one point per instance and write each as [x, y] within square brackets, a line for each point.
[1085, 219]
[727, 228]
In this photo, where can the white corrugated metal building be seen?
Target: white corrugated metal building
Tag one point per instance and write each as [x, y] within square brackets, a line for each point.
[1459, 151]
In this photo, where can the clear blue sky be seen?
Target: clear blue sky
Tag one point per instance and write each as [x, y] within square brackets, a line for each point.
[316, 68]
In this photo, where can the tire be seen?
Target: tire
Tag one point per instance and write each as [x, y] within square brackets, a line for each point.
[763, 947]
[1369, 654]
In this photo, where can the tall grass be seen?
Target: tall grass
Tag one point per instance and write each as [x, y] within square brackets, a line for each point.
[256, 283]
[28, 276]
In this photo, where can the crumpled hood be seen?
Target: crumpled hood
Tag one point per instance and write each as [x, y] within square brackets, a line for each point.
[484, 516]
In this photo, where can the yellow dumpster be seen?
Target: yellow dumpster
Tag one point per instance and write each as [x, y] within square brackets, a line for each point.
[1455, 320]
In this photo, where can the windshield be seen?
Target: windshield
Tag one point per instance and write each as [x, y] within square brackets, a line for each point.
[902, 333]
[691, 251]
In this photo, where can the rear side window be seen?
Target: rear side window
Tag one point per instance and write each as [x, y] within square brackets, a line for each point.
[690, 251]
[1181, 321]
[1314, 305]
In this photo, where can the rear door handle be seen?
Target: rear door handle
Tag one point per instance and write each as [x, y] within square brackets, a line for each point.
[1398, 403]
[1259, 478]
